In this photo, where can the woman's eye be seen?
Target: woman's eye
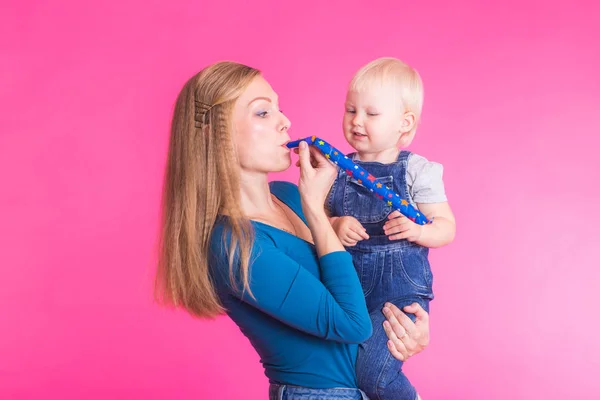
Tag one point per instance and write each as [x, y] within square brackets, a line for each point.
[262, 114]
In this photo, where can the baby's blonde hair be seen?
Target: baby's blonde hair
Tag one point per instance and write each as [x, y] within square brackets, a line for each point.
[388, 70]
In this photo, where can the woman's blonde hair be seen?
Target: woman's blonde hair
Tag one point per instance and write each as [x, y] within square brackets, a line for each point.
[201, 181]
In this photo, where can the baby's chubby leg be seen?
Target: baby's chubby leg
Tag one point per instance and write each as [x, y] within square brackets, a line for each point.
[379, 374]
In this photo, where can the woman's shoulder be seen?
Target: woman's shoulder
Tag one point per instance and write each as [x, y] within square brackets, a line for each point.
[286, 192]
[222, 236]
[220, 246]
[284, 188]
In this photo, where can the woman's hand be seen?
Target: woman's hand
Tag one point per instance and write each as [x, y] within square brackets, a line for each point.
[317, 174]
[406, 338]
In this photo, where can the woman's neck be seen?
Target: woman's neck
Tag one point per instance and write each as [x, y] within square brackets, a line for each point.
[255, 194]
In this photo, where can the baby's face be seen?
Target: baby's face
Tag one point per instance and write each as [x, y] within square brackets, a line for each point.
[373, 118]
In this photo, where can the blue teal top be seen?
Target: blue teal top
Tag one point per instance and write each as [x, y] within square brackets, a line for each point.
[308, 314]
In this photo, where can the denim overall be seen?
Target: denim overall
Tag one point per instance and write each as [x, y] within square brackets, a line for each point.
[395, 271]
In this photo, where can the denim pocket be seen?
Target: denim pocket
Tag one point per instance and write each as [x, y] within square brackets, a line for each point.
[363, 204]
[415, 266]
[369, 267]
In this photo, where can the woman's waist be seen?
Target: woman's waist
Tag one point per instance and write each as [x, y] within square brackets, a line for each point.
[318, 371]
[279, 391]
[301, 359]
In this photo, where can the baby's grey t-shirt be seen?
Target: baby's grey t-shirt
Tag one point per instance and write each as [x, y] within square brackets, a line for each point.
[424, 180]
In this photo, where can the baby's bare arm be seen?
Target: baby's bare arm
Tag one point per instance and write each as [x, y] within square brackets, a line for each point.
[443, 229]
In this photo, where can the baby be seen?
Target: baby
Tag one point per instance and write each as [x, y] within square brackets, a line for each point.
[383, 107]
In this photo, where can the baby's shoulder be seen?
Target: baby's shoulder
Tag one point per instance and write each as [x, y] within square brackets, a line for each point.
[418, 166]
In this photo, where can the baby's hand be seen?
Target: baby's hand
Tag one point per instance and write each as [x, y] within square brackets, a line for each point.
[399, 227]
[349, 230]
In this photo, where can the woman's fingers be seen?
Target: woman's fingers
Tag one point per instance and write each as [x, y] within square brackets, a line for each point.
[403, 320]
[399, 355]
[396, 346]
[305, 156]
[317, 157]
[419, 312]
[394, 320]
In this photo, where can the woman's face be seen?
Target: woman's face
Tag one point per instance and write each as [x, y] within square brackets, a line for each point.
[261, 129]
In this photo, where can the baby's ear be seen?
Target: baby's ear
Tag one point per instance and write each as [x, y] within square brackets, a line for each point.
[409, 120]
[407, 129]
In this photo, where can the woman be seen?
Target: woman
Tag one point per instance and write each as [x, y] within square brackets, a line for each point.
[264, 253]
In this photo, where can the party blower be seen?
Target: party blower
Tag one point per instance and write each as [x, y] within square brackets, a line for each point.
[364, 178]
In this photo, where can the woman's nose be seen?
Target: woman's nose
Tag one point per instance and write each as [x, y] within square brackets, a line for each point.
[285, 123]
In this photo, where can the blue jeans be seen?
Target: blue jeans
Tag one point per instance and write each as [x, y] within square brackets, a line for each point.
[389, 271]
[398, 273]
[379, 373]
[288, 392]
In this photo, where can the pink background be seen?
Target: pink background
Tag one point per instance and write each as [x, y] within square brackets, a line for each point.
[511, 110]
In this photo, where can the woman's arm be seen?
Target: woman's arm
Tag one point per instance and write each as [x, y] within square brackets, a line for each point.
[332, 308]
[316, 178]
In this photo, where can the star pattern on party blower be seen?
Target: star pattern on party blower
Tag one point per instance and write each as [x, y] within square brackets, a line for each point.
[371, 183]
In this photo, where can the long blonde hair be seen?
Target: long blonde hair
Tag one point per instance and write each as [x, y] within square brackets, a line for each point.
[201, 181]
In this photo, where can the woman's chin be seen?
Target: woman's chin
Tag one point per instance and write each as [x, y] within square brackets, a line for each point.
[286, 163]
[283, 164]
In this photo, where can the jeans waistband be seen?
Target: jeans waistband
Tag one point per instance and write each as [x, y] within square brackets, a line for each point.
[290, 392]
